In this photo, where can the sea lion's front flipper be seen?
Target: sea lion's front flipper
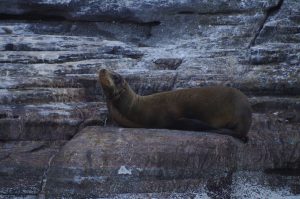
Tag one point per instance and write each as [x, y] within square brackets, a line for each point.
[121, 119]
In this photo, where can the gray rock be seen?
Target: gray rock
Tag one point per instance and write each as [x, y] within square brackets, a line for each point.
[51, 51]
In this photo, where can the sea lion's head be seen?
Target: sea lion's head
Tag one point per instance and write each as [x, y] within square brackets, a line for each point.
[112, 83]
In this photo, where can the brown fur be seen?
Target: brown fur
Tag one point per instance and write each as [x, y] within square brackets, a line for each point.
[218, 109]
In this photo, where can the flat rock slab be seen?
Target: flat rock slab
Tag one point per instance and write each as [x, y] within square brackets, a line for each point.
[104, 161]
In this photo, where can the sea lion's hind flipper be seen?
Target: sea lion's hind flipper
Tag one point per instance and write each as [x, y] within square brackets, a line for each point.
[198, 125]
[190, 125]
[231, 133]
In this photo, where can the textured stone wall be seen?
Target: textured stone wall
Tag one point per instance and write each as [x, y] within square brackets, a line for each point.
[50, 52]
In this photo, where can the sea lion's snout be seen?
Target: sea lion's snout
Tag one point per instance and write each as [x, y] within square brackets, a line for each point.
[110, 75]
[112, 83]
[104, 78]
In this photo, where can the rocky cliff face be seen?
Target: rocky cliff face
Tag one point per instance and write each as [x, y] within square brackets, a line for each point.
[50, 52]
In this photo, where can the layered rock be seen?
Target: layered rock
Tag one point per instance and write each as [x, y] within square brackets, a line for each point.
[50, 52]
[131, 10]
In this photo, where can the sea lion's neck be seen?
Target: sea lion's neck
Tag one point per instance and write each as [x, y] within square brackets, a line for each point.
[127, 99]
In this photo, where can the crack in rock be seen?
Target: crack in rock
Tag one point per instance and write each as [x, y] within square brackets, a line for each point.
[41, 194]
[173, 85]
[268, 13]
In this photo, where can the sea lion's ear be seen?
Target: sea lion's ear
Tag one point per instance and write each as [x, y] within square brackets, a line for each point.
[102, 73]
[118, 79]
[123, 81]
[99, 76]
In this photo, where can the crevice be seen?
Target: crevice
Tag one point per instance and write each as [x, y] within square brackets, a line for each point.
[220, 12]
[6, 116]
[284, 171]
[3, 115]
[41, 194]
[174, 81]
[118, 50]
[39, 148]
[18, 195]
[268, 13]
[34, 17]
[186, 13]
[90, 122]
[62, 18]
[168, 63]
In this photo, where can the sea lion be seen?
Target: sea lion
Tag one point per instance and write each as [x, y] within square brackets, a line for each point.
[216, 109]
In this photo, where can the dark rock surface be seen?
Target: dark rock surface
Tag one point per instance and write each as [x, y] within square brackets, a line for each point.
[50, 52]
